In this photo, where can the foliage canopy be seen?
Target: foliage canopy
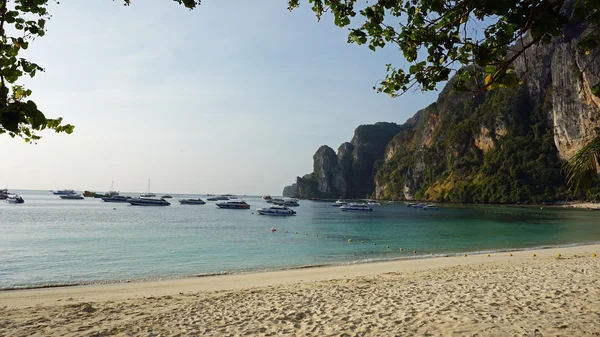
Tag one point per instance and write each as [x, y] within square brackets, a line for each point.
[438, 37]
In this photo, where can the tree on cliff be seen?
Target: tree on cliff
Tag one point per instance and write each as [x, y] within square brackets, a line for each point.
[21, 22]
[442, 37]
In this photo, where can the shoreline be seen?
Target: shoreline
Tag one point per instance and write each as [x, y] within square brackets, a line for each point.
[50, 296]
[167, 278]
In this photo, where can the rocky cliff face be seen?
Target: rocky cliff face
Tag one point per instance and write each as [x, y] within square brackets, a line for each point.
[505, 145]
[349, 173]
[289, 190]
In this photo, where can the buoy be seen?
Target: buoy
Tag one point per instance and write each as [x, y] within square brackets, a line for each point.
[296, 232]
[326, 236]
[273, 229]
[362, 241]
[558, 255]
[305, 233]
[533, 254]
[388, 247]
[374, 243]
[414, 251]
[446, 255]
[317, 235]
[508, 254]
[401, 249]
[349, 240]
[593, 254]
[465, 255]
[488, 255]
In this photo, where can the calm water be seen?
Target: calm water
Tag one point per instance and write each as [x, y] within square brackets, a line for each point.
[48, 240]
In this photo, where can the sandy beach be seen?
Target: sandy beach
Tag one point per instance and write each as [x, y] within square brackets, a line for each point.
[477, 295]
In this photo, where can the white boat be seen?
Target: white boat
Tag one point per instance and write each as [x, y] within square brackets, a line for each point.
[339, 203]
[373, 203]
[192, 201]
[72, 196]
[356, 208]
[288, 203]
[233, 205]
[116, 198]
[64, 192]
[418, 206]
[217, 198]
[15, 199]
[275, 211]
[430, 207]
[148, 202]
[148, 194]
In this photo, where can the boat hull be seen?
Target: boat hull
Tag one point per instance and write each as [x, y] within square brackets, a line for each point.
[356, 210]
[192, 202]
[138, 202]
[234, 206]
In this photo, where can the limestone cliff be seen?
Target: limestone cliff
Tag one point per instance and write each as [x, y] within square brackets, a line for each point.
[289, 190]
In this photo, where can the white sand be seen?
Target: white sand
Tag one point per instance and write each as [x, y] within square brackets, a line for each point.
[583, 205]
[455, 296]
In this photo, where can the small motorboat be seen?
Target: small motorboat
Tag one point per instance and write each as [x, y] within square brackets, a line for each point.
[15, 199]
[373, 203]
[167, 196]
[217, 198]
[267, 197]
[430, 207]
[339, 203]
[64, 192]
[148, 202]
[72, 196]
[288, 203]
[356, 208]
[116, 198]
[192, 201]
[275, 211]
[234, 205]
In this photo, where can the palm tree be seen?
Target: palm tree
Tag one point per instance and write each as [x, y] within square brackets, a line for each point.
[582, 168]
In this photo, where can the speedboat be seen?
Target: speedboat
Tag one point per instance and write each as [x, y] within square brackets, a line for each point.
[356, 208]
[15, 199]
[148, 202]
[278, 202]
[3, 194]
[192, 201]
[430, 207]
[166, 196]
[291, 203]
[234, 205]
[116, 198]
[148, 195]
[72, 196]
[217, 198]
[64, 192]
[373, 203]
[339, 203]
[267, 197]
[275, 211]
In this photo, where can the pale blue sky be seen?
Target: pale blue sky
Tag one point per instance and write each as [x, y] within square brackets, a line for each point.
[233, 97]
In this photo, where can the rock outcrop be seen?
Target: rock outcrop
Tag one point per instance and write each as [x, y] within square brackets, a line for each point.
[289, 190]
[499, 146]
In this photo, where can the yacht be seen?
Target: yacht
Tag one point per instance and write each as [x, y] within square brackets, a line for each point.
[3, 194]
[148, 202]
[275, 211]
[192, 201]
[356, 208]
[234, 205]
[15, 199]
[148, 194]
[339, 203]
[217, 198]
[116, 198]
[76, 196]
[64, 192]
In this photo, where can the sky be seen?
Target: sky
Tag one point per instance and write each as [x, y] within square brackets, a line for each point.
[233, 97]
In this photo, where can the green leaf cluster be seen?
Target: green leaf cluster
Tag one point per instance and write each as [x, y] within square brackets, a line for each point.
[437, 37]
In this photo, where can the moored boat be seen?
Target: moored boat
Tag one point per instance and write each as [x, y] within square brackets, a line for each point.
[3, 194]
[275, 211]
[430, 207]
[167, 196]
[116, 198]
[15, 199]
[267, 197]
[217, 198]
[339, 203]
[76, 196]
[356, 208]
[64, 192]
[148, 202]
[192, 201]
[233, 205]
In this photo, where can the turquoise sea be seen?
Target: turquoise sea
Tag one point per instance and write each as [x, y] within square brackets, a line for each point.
[49, 241]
